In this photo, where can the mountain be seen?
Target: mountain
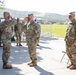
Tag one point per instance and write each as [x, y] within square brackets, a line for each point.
[54, 17]
[45, 17]
[16, 13]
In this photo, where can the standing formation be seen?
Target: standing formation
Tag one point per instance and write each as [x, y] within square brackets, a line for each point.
[32, 31]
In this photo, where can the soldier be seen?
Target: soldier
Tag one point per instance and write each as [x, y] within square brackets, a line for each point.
[5, 27]
[17, 29]
[70, 40]
[32, 35]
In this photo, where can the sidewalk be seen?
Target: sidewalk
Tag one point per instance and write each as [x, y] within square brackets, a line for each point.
[49, 54]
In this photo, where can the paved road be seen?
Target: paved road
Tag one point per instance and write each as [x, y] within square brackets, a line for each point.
[49, 54]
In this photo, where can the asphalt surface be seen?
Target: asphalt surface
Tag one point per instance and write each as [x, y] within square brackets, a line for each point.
[49, 54]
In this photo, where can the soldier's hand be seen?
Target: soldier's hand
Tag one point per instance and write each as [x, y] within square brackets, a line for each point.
[11, 17]
[25, 19]
[75, 43]
[36, 42]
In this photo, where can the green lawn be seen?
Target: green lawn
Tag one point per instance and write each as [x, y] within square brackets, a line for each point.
[58, 30]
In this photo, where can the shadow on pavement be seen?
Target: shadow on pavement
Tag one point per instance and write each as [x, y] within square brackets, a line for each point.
[42, 71]
[14, 71]
[43, 47]
[20, 55]
[49, 38]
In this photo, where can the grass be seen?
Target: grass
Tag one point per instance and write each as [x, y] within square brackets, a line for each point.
[57, 30]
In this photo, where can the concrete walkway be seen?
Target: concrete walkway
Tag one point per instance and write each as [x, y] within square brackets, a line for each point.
[49, 54]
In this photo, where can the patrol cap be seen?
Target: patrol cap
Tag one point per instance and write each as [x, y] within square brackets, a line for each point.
[72, 13]
[30, 15]
[6, 13]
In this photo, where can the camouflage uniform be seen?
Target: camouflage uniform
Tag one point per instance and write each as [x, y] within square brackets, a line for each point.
[32, 35]
[17, 29]
[5, 27]
[70, 39]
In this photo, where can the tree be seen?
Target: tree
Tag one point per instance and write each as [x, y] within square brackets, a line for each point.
[1, 4]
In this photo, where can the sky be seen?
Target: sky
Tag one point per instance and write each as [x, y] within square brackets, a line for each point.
[44, 6]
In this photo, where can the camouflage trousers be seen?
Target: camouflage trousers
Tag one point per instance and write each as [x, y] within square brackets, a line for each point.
[71, 52]
[32, 49]
[18, 38]
[6, 50]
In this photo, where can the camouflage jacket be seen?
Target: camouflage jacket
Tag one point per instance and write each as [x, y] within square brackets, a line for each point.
[32, 30]
[5, 28]
[70, 35]
[71, 30]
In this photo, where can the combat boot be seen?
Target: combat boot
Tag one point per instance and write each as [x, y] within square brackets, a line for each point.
[69, 65]
[38, 45]
[20, 45]
[72, 67]
[17, 44]
[32, 64]
[6, 66]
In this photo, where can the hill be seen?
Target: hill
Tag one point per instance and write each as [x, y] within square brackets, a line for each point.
[47, 16]
[55, 17]
[16, 13]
